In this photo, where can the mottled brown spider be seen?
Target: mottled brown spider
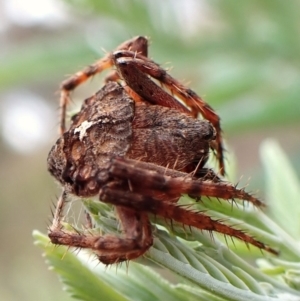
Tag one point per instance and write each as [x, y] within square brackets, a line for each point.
[133, 69]
[138, 148]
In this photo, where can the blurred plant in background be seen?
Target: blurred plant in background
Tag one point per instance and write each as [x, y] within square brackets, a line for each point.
[242, 57]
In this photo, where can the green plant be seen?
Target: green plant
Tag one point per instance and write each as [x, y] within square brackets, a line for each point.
[206, 268]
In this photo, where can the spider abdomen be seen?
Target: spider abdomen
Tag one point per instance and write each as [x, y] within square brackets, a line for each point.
[167, 137]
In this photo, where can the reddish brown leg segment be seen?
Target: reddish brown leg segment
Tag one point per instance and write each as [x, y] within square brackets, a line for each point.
[109, 249]
[126, 168]
[138, 44]
[174, 212]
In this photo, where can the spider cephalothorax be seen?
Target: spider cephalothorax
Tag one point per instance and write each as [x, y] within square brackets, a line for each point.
[139, 148]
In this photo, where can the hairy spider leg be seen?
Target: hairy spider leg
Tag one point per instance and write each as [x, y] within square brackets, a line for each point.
[136, 240]
[133, 170]
[168, 210]
[138, 45]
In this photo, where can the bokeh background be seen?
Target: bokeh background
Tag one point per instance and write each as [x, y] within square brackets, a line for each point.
[243, 57]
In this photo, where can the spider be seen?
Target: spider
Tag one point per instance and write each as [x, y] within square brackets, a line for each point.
[133, 68]
[138, 148]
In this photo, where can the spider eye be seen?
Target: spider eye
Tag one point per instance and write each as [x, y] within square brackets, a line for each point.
[207, 136]
[210, 133]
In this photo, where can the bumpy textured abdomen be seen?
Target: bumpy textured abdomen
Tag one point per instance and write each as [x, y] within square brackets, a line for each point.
[101, 130]
[167, 137]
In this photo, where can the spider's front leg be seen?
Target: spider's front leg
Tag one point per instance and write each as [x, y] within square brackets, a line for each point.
[150, 196]
[138, 45]
[173, 212]
[159, 181]
[136, 240]
[135, 71]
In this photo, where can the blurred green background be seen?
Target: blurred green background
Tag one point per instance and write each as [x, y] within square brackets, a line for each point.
[242, 57]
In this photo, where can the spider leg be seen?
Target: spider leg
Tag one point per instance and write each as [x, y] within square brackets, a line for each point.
[58, 213]
[134, 71]
[203, 173]
[174, 212]
[108, 248]
[138, 44]
[158, 181]
[141, 84]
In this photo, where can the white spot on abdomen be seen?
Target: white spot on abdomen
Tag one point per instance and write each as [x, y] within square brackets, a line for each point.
[83, 128]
